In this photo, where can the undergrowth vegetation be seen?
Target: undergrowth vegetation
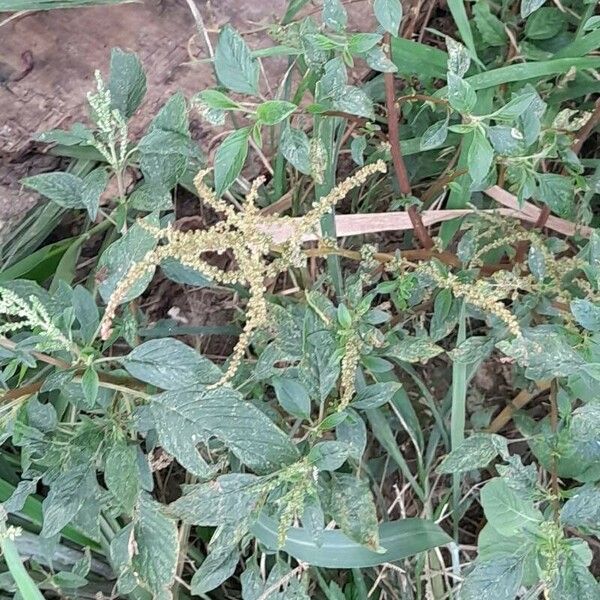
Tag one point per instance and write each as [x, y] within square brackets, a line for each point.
[395, 416]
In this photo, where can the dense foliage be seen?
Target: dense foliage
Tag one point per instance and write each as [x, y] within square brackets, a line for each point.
[344, 449]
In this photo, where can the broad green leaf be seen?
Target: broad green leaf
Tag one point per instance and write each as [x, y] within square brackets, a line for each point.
[506, 140]
[496, 579]
[121, 474]
[476, 452]
[157, 547]
[375, 395]
[389, 14]
[186, 418]
[353, 432]
[292, 396]
[585, 431]
[320, 366]
[127, 83]
[335, 550]
[124, 253]
[272, 112]
[545, 24]
[65, 189]
[235, 67]
[435, 135]
[506, 510]
[516, 107]
[148, 198]
[586, 314]
[229, 159]
[414, 349]
[164, 157]
[85, 311]
[378, 60]
[489, 25]
[228, 500]
[329, 455]
[295, 147]
[557, 192]
[480, 157]
[90, 385]
[170, 364]
[334, 15]
[173, 116]
[79, 134]
[69, 490]
[220, 563]
[574, 582]
[583, 508]
[355, 101]
[353, 509]
[461, 94]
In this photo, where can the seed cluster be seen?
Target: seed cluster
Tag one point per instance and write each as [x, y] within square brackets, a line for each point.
[245, 235]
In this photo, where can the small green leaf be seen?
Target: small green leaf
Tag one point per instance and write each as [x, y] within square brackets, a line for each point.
[414, 349]
[586, 314]
[536, 260]
[557, 192]
[295, 147]
[85, 311]
[127, 83]
[94, 183]
[121, 474]
[461, 94]
[230, 158]
[497, 579]
[334, 15]
[435, 135]
[459, 59]
[235, 67]
[545, 24]
[530, 6]
[583, 508]
[90, 385]
[375, 395]
[357, 149]
[216, 99]
[480, 157]
[516, 107]
[489, 25]
[476, 452]
[389, 14]
[292, 396]
[272, 112]
[355, 101]
[328, 456]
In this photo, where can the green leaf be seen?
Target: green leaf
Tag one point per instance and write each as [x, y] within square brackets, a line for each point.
[389, 14]
[557, 192]
[229, 159]
[335, 550]
[359, 43]
[586, 314]
[69, 490]
[357, 149]
[65, 189]
[375, 395]
[147, 197]
[90, 385]
[461, 94]
[228, 500]
[334, 15]
[170, 364]
[155, 560]
[163, 157]
[121, 255]
[220, 563]
[497, 579]
[545, 23]
[435, 135]
[353, 509]
[272, 112]
[530, 6]
[328, 456]
[94, 183]
[85, 311]
[121, 474]
[459, 58]
[536, 261]
[79, 134]
[292, 396]
[234, 65]
[475, 452]
[506, 511]
[186, 418]
[352, 431]
[17, 499]
[574, 581]
[414, 349]
[355, 101]
[217, 100]
[583, 508]
[295, 147]
[516, 107]
[173, 116]
[127, 83]
[489, 25]
[585, 431]
[480, 157]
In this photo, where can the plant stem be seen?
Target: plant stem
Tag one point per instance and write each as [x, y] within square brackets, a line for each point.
[397, 160]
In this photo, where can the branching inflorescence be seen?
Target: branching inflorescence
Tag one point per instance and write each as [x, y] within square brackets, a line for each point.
[247, 236]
